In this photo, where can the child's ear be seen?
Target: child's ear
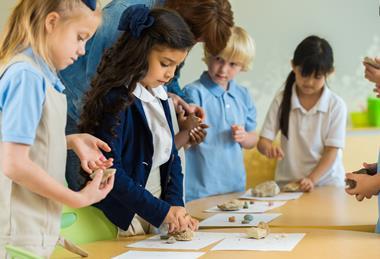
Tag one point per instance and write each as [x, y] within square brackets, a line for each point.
[51, 21]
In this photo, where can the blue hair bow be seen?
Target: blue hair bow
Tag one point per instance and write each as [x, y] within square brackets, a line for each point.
[135, 19]
[90, 3]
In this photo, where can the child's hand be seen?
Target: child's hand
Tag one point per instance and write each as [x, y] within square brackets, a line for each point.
[306, 184]
[366, 185]
[238, 133]
[88, 149]
[176, 219]
[194, 223]
[94, 191]
[198, 134]
[274, 152]
[187, 122]
[372, 73]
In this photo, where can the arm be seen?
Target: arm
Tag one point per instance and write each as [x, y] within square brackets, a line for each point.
[246, 140]
[327, 159]
[270, 150]
[17, 165]
[366, 185]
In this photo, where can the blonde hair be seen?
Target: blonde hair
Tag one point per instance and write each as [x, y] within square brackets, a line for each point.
[26, 25]
[240, 49]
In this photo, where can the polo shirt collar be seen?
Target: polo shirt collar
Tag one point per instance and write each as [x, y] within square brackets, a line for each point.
[322, 104]
[46, 70]
[216, 89]
[149, 96]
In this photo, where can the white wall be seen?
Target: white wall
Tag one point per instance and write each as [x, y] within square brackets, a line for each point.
[351, 26]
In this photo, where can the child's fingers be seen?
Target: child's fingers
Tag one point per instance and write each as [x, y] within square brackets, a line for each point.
[359, 197]
[103, 145]
[85, 167]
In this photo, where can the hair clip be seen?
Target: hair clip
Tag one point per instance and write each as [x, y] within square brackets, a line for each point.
[90, 4]
[135, 19]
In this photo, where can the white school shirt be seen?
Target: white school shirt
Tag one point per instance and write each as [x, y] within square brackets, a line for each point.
[309, 132]
[161, 134]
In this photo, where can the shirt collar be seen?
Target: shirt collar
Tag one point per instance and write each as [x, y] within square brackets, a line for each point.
[322, 104]
[149, 96]
[216, 89]
[45, 69]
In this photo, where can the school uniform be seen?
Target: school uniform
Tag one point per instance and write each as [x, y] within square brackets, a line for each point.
[33, 112]
[148, 178]
[308, 134]
[216, 165]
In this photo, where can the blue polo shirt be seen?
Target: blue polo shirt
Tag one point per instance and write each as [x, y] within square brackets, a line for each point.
[22, 96]
[216, 166]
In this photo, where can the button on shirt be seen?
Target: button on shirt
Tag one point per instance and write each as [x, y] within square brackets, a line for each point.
[158, 125]
[22, 94]
[309, 133]
[216, 165]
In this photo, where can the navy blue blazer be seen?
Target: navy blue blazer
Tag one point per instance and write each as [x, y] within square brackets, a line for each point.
[132, 151]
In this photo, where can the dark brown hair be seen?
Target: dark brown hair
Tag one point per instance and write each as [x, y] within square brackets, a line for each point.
[126, 63]
[209, 20]
[313, 55]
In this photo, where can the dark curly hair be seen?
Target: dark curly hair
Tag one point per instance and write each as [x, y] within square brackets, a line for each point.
[126, 63]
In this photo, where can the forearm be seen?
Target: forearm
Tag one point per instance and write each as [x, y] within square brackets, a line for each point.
[35, 179]
[263, 145]
[250, 140]
[326, 161]
[181, 139]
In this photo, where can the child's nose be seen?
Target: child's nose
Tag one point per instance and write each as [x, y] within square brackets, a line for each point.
[81, 50]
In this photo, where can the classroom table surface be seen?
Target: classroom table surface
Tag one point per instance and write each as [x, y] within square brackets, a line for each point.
[317, 243]
[324, 207]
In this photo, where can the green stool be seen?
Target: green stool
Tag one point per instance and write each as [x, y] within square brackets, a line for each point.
[67, 219]
[19, 253]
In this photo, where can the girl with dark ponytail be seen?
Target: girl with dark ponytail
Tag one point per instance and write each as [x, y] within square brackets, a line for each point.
[311, 119]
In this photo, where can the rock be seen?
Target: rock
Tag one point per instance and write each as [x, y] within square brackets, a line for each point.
[245, 222]
[171, 240]
[231, 219]
[261, 231]
[248, 217]
[245, 205]
[164, 237]
[106, 174]
[266, 189]
[291, 187]
[231, 205]
[186, 235]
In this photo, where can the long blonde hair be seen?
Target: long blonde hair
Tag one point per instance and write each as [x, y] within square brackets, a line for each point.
[26, 26]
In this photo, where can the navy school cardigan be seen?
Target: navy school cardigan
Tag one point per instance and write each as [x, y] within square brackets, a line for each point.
[132, 151]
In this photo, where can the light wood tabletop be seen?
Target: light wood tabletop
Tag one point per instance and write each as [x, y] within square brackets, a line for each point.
[317, 243]
[325, 207]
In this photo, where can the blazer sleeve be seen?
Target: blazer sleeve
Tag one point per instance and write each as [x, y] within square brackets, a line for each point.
[127, 191]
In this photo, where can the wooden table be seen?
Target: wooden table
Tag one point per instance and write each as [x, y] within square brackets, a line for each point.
[325, 207]
[318, 243]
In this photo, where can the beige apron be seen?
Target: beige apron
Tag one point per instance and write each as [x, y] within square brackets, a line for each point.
[28, 220]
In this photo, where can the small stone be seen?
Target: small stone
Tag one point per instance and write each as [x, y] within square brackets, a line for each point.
[291, 187]
[231, 219]
[248, 217]
[261, 231]
[171, 240]
[251, 202]
[164, 237]
[186, 235]
[245, 222]
[231, 205]
[270, 203]
[245, 205]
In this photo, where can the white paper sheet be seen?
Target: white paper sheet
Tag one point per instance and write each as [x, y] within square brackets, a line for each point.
[221, 220]
[282, 196]
[273, 242]
[163, 255]
[200, 240]
[257, 207]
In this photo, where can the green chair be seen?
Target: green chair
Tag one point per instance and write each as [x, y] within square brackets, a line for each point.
[67, 219]
[19, 253]
[91, 225]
